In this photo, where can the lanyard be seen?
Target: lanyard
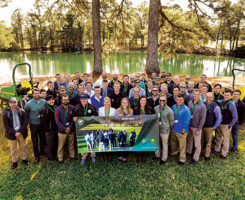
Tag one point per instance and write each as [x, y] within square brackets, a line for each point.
[209, 106]
[15, 118]
[148, 93]
[98, 100]
[107, 114]
[71, 94]
[176, 111]
[223, 107]
[125, 88]
[85, 110]
[66, 111]
[50, 108]
[105, 93]
[136, 101]
[235, 102]
[217, 98]
[142, 113]
[38, 105]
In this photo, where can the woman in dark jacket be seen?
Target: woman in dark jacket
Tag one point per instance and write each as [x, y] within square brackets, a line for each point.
[142, 109]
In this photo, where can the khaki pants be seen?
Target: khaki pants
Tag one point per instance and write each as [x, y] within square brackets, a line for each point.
[61, 143]
[84, 155]
[164, 150]
[178, 145]
[22, 146]
[197, 142]
[225, 132]
[207, 136]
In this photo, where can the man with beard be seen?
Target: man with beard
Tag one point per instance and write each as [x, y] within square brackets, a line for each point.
[153, 100]
[126, 87]
[51, 90]
[114, 80]
[65, 124]
[33, 110]
[62, 91]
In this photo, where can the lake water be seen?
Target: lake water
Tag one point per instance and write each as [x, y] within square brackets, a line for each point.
[46, 64]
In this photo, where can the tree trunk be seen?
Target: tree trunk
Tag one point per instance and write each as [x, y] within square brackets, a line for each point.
[152, 48]
[96, 37]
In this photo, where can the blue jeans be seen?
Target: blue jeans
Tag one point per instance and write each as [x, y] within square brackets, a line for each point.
[235, 133]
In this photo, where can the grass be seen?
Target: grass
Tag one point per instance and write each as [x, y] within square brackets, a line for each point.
[216, 179]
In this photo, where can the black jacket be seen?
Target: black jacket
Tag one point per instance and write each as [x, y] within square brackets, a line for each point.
[240, 111]
[48, 119]
[53, 93]
[8, 123]
[79, 111]
[116, 100]
[124, 90]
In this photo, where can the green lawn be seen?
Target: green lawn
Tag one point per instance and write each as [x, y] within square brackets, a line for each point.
[216, 179]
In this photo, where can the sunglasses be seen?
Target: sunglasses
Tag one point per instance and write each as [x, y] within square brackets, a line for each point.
[154, 90]
[137, 82]
[162, 100]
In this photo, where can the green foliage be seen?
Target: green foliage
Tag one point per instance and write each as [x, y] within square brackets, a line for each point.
[6, 37]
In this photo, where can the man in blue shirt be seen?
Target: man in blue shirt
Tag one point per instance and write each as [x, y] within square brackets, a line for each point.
[182, 117]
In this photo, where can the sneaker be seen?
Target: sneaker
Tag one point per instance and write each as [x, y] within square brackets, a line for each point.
[162, 162]
[207, 158]
[61, 162]
[93, 160]
[26, 162]
[120, 158]
[14, 165]
[82, 162]
[222, 157]
[193, 162]
[181, 163]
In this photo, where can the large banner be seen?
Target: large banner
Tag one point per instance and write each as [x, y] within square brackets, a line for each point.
[103, 134]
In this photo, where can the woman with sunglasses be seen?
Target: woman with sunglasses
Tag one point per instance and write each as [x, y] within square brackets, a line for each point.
[142, 109]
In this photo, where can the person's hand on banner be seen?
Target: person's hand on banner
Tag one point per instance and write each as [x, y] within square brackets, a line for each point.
[74, 119]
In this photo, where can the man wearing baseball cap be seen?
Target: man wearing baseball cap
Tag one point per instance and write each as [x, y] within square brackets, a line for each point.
[15, 122]
[82, 110]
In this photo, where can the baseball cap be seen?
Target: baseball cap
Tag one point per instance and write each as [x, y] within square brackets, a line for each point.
[84, 96]
[12, 99]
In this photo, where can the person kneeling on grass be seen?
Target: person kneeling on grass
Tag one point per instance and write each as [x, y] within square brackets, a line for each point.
[15, 122]
[85, 109]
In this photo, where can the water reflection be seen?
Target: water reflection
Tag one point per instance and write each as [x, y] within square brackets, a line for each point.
[51, 63]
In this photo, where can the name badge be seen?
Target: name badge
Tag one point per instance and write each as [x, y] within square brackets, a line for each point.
[160, 123]
[191, 116]
[67, 123]
[38, 116]
[176, 121]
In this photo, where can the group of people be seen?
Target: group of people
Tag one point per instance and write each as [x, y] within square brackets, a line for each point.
[189, 115]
